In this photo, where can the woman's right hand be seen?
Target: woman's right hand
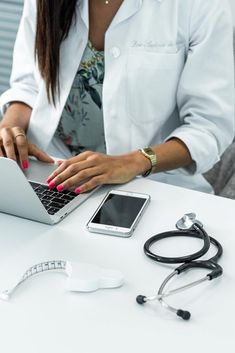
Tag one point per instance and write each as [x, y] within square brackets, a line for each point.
[14, 145]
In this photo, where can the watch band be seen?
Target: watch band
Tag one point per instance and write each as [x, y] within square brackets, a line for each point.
[152, 157]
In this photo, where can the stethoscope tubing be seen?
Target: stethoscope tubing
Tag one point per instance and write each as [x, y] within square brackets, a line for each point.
[197, 232]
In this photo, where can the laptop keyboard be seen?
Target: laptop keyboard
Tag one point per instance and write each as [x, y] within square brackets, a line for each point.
[52, 199]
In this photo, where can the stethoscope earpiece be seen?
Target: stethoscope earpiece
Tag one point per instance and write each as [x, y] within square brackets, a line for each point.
[184, 314]
[141, 299]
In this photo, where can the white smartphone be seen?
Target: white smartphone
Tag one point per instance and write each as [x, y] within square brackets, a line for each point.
[118, 213]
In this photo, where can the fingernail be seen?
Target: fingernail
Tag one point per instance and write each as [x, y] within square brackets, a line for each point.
[51, 185]
[25, 164]
[59, 162]
[49, 180]
[77, 190]
[60, 187]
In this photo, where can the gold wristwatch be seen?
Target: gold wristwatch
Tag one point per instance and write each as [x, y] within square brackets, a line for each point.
[151, 155]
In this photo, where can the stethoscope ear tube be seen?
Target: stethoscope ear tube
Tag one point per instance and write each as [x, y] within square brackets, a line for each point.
[216, 270]
[197, 232]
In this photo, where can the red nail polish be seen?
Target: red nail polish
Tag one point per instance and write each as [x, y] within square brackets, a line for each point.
[77, 190]
[51, 185]
[60, 187]
[25, 164]
[49, 180]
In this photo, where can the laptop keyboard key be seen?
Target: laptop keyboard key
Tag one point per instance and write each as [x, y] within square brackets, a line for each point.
[45, 197]
[34, 185]
[67, 197]
[45, 202]
[52, 210]
[73, 194]
[56, 205]
[60, 201]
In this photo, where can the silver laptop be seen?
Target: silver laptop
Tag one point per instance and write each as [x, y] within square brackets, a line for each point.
[26, 194]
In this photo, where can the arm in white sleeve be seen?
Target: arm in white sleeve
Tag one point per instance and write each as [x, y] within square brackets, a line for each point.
[205, 95]
[23, 87]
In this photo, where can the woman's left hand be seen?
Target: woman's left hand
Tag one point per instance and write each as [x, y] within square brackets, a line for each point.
[90, 169]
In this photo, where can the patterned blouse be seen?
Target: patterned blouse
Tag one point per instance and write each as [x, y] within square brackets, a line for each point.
[81, 125]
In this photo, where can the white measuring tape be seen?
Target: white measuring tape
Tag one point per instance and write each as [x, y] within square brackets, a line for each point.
[81, 277]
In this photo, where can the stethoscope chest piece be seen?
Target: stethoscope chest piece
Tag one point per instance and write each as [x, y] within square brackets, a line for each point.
[187, 221]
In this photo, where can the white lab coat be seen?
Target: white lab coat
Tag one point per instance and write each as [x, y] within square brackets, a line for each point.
[168, 73]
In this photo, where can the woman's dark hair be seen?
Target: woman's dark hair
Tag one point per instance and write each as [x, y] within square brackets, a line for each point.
[54, 19]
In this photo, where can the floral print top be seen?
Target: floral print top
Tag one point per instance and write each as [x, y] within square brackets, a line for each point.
[81, 125]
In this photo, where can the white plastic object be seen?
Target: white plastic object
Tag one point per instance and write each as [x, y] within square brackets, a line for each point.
[82, 277]
[85, 277]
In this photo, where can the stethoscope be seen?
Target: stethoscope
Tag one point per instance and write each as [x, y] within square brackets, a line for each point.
[187, 226]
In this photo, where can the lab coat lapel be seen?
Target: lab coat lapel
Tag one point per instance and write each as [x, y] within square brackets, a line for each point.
[127, 9]
[49, 115]
[72, 50]
[83, 8]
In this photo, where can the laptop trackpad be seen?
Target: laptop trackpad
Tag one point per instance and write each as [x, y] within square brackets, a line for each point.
[39, 171]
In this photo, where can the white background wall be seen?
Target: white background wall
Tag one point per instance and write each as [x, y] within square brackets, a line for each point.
[232, 2]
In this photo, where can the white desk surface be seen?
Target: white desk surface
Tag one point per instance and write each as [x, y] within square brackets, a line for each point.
[42, 317]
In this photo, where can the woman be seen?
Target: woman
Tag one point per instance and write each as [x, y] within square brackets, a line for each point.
[121, 88]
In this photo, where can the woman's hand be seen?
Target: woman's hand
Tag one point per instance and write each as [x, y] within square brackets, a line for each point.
[90, 169]
[14, 144]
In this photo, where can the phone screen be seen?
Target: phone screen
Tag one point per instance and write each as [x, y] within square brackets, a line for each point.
[119, 210]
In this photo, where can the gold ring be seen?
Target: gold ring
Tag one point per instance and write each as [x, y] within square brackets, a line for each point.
[21, 134]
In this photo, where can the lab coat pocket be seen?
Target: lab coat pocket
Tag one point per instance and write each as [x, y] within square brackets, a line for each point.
[152, 80]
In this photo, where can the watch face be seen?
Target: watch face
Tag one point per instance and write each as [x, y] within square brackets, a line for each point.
[151, 155]
[148, 150]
